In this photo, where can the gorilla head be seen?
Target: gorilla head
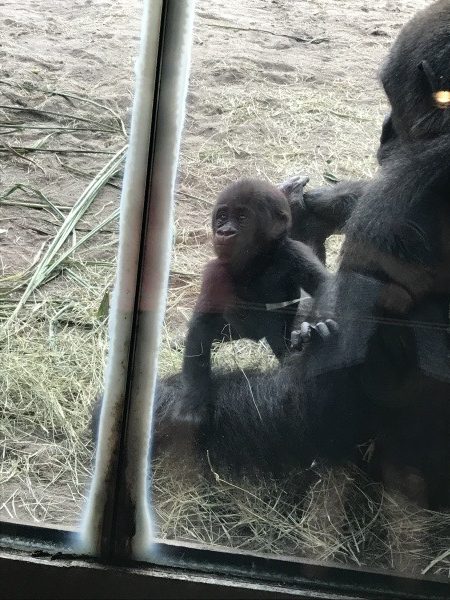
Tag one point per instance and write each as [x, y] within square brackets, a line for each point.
[416, 74]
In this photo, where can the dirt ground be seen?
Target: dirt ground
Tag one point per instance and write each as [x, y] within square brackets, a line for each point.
[277, 88]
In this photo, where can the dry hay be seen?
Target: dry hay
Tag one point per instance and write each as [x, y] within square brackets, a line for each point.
[48, 385]
[328, 515]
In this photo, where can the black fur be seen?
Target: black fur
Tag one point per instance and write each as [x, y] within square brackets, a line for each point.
[396, 371]
[247, 432]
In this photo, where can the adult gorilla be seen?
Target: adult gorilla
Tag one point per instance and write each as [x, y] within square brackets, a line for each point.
[386, 374]
[388, 369]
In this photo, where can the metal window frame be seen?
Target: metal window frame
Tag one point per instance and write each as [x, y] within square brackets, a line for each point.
[43, 562]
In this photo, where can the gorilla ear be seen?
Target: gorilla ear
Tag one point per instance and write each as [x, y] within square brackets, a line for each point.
[280, 225]
[424, 66]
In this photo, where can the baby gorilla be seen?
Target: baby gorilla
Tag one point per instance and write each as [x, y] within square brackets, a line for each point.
[253, 287]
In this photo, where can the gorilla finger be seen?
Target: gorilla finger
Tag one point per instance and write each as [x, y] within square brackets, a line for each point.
[296, 340]
[306, 331]
[299, 181]
[294, 185]
[321, 329]
[332, 326]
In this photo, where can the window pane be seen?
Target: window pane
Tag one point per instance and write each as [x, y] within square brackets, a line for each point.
[66, 92]
[322, 454]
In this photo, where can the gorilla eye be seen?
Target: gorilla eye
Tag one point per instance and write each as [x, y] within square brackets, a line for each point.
[242, 215]
[221, 216]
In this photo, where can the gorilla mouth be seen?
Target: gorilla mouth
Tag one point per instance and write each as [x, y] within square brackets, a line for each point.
[225, 242]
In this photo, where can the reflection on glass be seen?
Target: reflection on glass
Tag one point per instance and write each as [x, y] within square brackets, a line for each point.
[337, 448]
[66, 81]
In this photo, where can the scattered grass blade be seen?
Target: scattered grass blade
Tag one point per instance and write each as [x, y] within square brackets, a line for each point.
[49, 260]
[36, 192]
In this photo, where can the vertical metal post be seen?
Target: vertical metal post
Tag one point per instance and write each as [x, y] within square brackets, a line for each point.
[97, 527]
[118, 521]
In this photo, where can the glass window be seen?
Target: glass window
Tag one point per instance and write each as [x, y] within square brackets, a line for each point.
[312, 454]
[290, 376]
[66, 95]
